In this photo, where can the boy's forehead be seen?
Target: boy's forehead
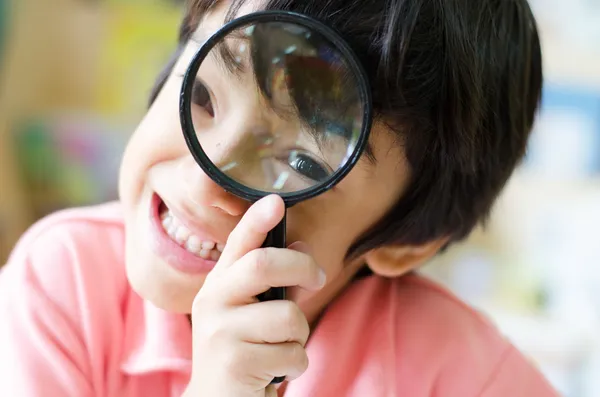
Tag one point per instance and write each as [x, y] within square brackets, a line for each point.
[216, 17]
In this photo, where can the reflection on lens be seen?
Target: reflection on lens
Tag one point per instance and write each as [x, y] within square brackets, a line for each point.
[276, 107]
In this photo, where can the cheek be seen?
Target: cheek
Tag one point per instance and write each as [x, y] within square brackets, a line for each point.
[333, 222]
[325, 227]
[158, 138]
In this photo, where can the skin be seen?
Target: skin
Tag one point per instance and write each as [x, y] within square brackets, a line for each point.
[232, 326]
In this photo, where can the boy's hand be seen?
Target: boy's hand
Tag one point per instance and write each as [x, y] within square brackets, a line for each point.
[241, 344]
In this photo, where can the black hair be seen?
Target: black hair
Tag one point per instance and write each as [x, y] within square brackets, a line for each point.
[458, 82]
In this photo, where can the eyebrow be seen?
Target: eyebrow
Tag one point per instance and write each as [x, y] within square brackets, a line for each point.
[224, 57]
[226, 60]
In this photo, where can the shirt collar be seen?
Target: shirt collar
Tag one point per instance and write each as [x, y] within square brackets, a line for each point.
[155, 340]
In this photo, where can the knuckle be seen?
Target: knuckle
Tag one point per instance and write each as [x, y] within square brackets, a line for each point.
[230, 361]
[235, 362]
[259, 261]
[294, 322]
[299, 358]
[213, 330]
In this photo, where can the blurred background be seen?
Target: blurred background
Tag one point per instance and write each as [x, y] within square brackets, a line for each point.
[74, 81]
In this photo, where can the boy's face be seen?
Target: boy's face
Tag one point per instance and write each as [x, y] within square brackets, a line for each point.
[167, 261]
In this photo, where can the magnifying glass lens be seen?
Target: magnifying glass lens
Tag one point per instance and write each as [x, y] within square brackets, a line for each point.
[276, 107]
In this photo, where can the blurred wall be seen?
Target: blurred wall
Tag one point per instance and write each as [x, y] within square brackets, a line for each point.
[74, 81]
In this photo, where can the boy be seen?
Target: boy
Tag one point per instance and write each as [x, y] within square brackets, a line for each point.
[154, 296]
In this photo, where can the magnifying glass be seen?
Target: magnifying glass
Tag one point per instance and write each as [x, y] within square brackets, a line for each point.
[276, 102]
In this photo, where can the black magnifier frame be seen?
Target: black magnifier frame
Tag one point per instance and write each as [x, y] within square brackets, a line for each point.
[185, 103]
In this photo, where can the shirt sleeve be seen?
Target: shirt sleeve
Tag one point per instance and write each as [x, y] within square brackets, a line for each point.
[42, 350]
[516, 377]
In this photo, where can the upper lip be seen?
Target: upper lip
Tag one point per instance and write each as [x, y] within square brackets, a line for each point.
[190, 219]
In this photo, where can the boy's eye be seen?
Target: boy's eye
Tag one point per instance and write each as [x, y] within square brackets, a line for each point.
[309, 168]
[201, 97]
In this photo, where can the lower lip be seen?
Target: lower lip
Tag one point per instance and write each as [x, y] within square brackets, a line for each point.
[175, 255]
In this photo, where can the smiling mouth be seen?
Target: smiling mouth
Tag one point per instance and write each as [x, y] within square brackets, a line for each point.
[205, 249]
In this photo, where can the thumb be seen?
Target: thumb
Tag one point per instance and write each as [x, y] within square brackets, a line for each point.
[251, 231]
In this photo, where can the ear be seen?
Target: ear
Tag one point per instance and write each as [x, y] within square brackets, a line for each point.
[395, 261]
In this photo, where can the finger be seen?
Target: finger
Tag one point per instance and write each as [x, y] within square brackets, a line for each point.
[253, 361]
[273, 322]
[287, 360]
[251, 231]
[264, 268]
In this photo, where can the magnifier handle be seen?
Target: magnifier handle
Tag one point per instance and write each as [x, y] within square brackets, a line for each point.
[275, 238]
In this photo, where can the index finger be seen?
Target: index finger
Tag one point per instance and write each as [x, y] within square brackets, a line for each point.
[251, 231]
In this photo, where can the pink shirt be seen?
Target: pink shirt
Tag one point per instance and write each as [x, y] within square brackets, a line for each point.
[70, 325]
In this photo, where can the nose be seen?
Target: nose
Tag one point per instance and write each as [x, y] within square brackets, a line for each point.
[203, 191]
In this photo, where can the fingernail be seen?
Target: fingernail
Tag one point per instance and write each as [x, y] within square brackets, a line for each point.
[322, 278]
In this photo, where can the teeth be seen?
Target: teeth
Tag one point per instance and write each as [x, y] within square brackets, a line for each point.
[172, 230]
[193, 244]
[184, 237]
[208, 245]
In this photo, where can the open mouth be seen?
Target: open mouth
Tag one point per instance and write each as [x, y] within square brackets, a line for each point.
[209, 250]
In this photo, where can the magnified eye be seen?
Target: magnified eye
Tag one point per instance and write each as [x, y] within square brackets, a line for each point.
[308, 167]
[201, 97]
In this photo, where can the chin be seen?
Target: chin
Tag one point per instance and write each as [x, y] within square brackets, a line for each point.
[154, 280]
[148, 278]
